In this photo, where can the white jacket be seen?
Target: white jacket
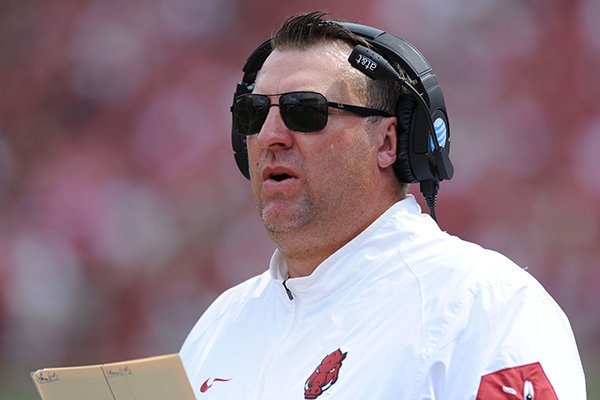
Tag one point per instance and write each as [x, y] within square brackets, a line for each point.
[403, 311]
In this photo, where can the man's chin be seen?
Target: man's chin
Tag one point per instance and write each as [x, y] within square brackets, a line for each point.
[282, 217]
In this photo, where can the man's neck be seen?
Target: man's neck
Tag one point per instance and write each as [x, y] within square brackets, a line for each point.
[304, 250]
[303, 261]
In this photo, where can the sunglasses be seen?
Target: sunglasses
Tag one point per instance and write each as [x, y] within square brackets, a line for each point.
[300, 111]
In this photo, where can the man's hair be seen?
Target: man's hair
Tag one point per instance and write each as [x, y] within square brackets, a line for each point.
[303, 31]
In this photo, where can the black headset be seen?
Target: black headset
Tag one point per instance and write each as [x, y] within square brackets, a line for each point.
[423, 128]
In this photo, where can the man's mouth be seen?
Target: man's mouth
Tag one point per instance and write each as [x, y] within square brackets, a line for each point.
[277, 174]
[279, 177]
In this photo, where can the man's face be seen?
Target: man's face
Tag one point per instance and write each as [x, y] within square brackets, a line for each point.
[311, 180]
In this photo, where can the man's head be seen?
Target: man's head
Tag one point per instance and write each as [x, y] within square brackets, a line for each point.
[317, 190]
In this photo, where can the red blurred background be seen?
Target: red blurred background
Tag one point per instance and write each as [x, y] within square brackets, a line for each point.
[122, 213]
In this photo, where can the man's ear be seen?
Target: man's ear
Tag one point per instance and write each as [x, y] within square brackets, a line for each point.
[386, 155]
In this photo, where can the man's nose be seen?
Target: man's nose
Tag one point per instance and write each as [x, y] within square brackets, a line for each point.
[274, 133]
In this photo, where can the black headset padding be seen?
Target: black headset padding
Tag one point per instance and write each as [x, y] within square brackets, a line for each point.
[404, 111]
[416, 162]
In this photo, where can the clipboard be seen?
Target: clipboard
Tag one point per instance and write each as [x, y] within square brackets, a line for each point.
[153, 378]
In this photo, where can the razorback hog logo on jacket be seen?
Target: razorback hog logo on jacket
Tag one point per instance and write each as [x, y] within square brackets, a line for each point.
[325, 375]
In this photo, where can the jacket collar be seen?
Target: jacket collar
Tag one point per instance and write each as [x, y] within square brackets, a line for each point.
[353, 261]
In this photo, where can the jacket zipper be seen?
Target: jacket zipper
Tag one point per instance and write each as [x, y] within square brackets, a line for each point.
[288, 291]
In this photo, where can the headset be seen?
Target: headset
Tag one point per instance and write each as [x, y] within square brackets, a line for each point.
[423, 128]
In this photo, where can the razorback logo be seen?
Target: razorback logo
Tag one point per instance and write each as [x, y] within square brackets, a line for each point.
[325, 375]
[526, 382]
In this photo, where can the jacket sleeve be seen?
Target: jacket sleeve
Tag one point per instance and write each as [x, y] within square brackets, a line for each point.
[506, 340]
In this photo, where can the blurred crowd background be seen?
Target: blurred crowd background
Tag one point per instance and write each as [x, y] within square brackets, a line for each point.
[123, 215]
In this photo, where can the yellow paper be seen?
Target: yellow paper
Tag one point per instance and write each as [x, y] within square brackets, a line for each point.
[154, 378]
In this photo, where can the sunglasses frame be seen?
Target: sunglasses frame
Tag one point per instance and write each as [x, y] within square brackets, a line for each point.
[291, 120]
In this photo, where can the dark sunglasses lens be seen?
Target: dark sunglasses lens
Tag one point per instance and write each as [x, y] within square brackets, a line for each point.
[304, 111]
[249, 113]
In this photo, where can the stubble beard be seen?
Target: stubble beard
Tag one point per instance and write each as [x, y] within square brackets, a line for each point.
[281, 216]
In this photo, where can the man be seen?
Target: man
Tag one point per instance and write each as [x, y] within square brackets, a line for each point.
[365, 296]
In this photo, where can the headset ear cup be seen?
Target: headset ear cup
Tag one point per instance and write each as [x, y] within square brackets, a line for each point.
[405, 111]
[240, 151]
[241, 159]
